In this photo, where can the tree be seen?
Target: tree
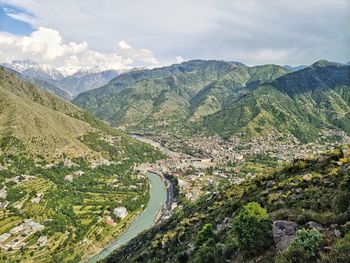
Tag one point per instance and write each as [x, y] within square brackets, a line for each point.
[204, 234]
[252, 227]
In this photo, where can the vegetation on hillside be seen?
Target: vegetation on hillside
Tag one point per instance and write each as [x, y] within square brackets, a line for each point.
[62, 173]
[216, 97]
[235, 224]
[159, 99]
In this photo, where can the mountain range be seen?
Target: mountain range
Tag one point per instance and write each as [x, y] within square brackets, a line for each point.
[218, 97]
[53, 80]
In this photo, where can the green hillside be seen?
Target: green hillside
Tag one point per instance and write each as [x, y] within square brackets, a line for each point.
[62, 173]
[216, 97]
[301, 103]
[307, 201]
[161, 98]
[47, 125]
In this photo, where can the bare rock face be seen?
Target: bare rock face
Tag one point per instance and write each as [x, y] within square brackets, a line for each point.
[283, 233]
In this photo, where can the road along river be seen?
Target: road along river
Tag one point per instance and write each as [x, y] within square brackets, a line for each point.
[144, 221]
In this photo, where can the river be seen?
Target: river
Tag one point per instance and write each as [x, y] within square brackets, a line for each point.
[144, 221]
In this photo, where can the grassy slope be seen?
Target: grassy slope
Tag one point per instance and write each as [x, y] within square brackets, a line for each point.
[47, 125]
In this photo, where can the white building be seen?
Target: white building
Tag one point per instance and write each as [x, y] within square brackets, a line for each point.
[120, 212]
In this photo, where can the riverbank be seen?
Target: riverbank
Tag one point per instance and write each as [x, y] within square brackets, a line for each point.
[145, 220]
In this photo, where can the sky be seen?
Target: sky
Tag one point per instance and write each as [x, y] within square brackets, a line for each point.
[122, 34]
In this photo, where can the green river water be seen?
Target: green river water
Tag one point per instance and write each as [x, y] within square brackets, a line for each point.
[144, 221]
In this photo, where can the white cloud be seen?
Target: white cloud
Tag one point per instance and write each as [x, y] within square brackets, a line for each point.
[23, 17]
[207, 29]
[123, 45]
[46, 45]
[141, 56]
[179, 59]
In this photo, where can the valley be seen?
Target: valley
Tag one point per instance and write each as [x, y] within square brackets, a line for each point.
[75, 189]
[174, 131]
[225, 134]
[68, 184]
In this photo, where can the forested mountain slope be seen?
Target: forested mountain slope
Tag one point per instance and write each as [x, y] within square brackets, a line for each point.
[159, 98]
[301, 103]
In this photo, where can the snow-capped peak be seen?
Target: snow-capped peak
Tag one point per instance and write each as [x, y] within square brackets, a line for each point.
[34, 69]
[21, 65]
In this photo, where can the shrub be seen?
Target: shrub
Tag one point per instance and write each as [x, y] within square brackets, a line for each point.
[229, 250]
[182, 257]
[341, 202]
[308, 239]
[204, 234]
[252, 227]
[304, 248]
[205, 254]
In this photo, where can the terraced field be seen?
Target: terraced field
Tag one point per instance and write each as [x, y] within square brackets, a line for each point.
[47, 207]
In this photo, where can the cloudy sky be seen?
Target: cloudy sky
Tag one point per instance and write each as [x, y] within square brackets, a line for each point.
[135, 33]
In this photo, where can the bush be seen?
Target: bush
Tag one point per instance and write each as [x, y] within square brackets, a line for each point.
[204, 234]
[252, 227]
[304, 248]
[182, 257]
[308, 239]
[229, 250]
[205, 254]
[341, 202]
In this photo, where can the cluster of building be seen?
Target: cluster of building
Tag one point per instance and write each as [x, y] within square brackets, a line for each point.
[237, 150]
[70, 177]
[15, 238]
[191, 159]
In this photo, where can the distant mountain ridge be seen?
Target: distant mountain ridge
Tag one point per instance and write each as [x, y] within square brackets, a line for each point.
[53, 80]
[42, 83]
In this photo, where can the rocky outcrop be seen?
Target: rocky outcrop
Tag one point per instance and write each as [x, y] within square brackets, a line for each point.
[283, 233]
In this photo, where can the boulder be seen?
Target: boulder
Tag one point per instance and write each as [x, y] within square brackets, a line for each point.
[314, 225]
[283, 233]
